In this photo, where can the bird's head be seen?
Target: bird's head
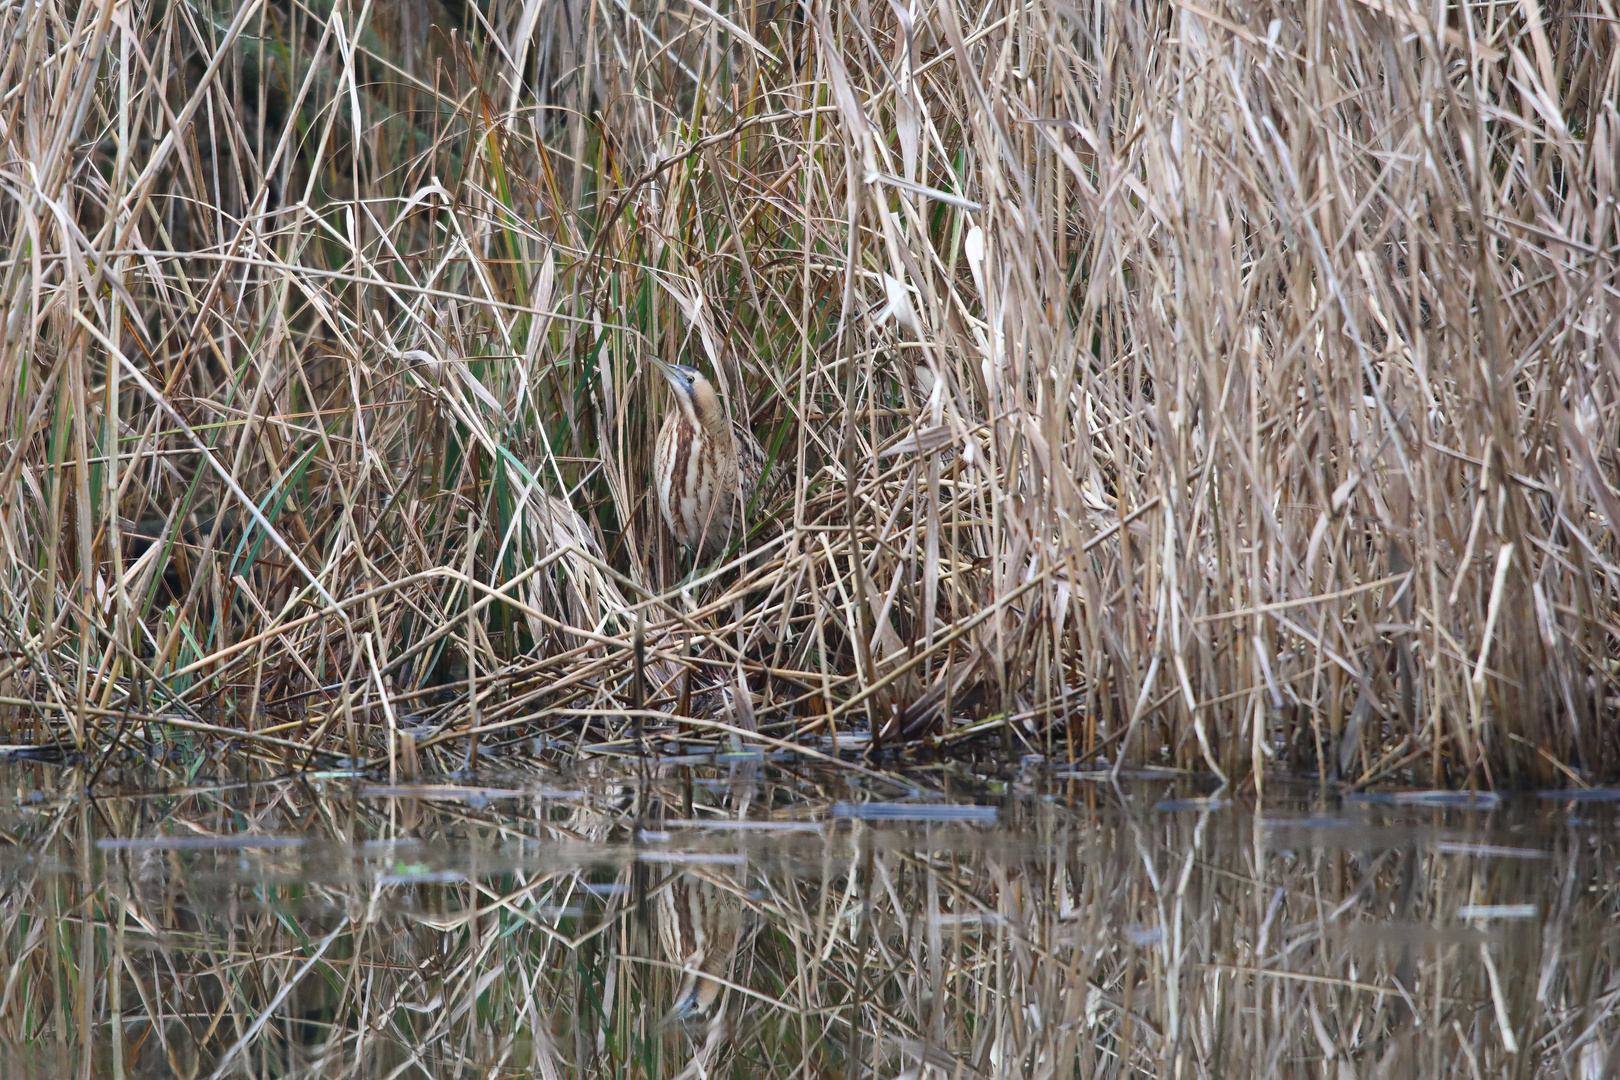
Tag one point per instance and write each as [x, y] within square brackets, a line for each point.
[693, 392]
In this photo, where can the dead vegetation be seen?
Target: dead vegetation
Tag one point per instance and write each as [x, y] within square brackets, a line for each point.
[1229, 386]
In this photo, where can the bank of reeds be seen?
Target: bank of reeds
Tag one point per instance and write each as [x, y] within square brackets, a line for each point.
[1225, 385]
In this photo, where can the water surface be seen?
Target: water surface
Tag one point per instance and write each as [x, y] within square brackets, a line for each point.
[753, 916]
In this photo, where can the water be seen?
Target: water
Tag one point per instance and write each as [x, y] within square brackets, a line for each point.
[776, 918]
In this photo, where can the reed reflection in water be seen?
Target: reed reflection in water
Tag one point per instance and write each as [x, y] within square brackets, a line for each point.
[704, 919]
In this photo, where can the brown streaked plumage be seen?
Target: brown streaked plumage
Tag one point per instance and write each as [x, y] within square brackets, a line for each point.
[700, 923]
[706, 466]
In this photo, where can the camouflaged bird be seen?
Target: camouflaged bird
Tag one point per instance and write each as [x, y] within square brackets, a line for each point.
[706, 466]
[701, 924]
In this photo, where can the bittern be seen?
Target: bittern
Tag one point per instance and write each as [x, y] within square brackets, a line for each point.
[707, 466]
[700, 924]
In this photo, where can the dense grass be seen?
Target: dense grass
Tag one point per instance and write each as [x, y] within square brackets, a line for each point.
[1229, 386]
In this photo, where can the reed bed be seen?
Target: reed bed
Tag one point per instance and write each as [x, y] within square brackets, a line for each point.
[225, 929]
[1230, 386]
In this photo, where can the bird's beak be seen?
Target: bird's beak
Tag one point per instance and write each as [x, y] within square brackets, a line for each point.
[666, 370]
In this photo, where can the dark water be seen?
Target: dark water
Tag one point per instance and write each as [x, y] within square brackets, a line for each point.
[752, 917]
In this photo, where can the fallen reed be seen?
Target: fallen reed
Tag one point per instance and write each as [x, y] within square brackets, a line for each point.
[1230, 386]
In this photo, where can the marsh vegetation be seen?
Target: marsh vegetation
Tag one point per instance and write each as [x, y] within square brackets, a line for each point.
[1158, 400]
[1229, 388]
